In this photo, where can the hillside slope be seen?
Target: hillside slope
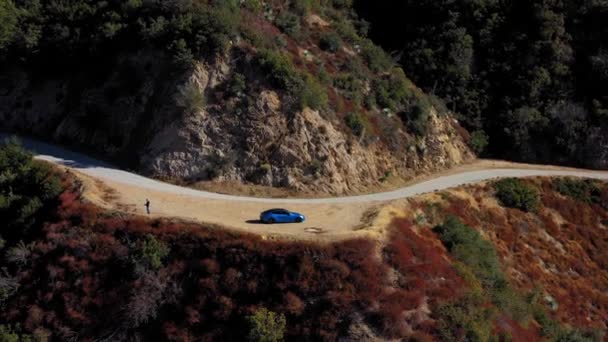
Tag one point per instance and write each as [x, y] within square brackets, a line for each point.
[72, 270]
[556, 251]
[275, 94]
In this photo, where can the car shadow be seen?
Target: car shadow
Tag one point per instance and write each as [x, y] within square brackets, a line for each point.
[254, 222]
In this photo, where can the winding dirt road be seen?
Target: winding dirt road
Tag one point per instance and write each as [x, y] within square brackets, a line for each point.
[327, 218]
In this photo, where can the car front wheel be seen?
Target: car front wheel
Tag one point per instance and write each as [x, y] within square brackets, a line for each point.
[299, 220]
[271, 221]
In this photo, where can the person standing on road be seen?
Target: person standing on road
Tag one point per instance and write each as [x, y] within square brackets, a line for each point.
[147, 205]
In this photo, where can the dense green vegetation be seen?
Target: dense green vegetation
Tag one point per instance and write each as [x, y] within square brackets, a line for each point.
[585, 190]
[532, 74]
[152, 252]
[77, 32]
[515, 193]
[480, 265]
[282, 73]
[8, 22]
[28, 193]
[266, 326]
[26, 189]
[468, 247]
[355, 123]
[8, 334]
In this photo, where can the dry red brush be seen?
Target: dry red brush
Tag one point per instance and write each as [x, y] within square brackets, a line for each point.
[86, 278]
[563, 248]
[424, 277]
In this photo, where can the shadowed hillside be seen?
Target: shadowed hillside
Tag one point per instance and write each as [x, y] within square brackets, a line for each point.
[274, 93]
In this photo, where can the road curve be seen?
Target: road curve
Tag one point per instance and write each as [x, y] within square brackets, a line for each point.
[104, 171]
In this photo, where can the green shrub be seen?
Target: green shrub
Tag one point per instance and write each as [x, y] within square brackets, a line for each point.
[549, 327]
[376, 58]
[180, 53]
[370, 102]
[468, 319]
[393, 91]
[512, 302]
[26, 187]
[355, 67]
[437, 103]
[304, 7]
[315, 167]
[576, 335]
[191, 98]
[517, 194]
[256, 37]
[330, 41]
[238, 84]
[383, 96]
[553, 331]
[400, 85]
[355, 123]
[386, 176]
[266, 326]
[323, 75]
[266, 168]
[342, 3]
[312, 94]
[418, 120]
[217, 26]
[280, 42]
[8, 286]
[279, 69]
[8, 22]
[468, 247]
[302, 86]
[9, 334]
[254, 6]
[153, 251]
[346, 30]
[584, 190]
[80, 30]
[350, 85]
[290, 24]
[479, 141]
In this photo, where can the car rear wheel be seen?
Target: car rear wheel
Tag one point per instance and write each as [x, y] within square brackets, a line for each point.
[271, 221]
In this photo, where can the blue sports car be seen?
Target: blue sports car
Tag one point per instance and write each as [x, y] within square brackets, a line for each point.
[281, 216]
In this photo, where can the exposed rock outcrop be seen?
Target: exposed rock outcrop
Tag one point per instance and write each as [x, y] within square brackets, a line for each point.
[189, 127]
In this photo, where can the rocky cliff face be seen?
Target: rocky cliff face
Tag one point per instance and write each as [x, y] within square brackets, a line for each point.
[190, 126]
